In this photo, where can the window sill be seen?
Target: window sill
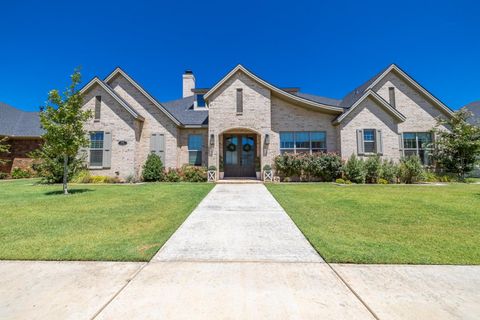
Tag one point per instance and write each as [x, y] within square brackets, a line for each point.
[239, 113]
[96, 120]
[96, 168]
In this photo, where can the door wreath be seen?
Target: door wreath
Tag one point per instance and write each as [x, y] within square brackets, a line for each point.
[247, 148]
[231, 147]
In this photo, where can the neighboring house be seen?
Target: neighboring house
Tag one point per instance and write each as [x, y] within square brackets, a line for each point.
[23, 132]
[243, 122]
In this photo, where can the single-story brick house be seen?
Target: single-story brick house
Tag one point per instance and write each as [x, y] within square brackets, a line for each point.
[23, 133]
[243, 122]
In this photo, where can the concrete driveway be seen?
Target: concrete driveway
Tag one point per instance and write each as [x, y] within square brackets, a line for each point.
[237, 256]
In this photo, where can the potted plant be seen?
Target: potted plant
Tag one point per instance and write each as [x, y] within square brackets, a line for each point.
[221, 168]
[212, 172]
[257, 168]
[267, 173]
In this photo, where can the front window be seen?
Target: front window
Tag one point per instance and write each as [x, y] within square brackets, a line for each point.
[418, 144]
[303, 142]
[96, 149]
[369, 145]
[195, 144]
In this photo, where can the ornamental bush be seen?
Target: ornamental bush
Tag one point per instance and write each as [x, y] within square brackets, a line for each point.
[372, 169]
[153, 168]
[173, 175]
[193, 174]
[389, 171]
[411, 170]
[354, 170]
[309, 167]
[19, 173]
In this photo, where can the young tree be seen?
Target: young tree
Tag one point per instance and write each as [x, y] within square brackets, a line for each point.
[4, 147]
[458, 149]
[63, 119]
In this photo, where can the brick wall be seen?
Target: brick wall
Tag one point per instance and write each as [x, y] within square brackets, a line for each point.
[19, 148]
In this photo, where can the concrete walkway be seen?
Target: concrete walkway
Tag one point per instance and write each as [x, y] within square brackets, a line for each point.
[237, 256]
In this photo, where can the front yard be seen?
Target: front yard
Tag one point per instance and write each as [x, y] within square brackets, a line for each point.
[387, 223]
[95, 222]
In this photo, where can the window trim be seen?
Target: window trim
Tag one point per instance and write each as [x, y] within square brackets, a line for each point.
[195, 150]
[90, 166]
[298, 150]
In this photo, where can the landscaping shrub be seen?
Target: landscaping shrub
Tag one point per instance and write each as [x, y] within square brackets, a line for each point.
[382, 181]
[306, 167]
[130, 179]
[354, 170]
[3, 175]
[372, 169]
[340, 180]
[389, 171]
[173, 175]
[267, 167]
[194, 174]
[19, 173]
[153, 168]
[49, 167]
[411, 170]
[82, 176]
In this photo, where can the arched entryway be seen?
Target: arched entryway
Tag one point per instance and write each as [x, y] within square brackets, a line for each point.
[240, 153]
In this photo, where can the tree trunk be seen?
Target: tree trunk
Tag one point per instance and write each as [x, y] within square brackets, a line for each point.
[65, 174]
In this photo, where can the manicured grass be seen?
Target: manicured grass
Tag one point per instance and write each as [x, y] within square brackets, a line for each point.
[387, 223]
[95, 222]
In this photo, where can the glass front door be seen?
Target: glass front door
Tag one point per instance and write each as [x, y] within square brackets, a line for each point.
[239, 155]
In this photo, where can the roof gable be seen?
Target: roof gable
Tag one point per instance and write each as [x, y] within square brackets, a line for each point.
[119, 71]
[284, 94]
[356, 94]
[112, 93]
[384, 104]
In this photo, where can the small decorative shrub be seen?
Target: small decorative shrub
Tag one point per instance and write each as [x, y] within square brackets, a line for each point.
[411, 170]
[267, 167]
[82, 176]
[212, 168]
[382, 181]
[194, 174]
[19, 173]
[257, 164]
[389, 171]
[372, 169]
[306, 167]
[348, 182]
[130, 179]
[471, 180]
[153, 168]
[3, 175]
[340, 181]
[354, 170]
[173, 175]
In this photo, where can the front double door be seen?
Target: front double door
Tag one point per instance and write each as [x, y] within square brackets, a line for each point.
[239, 153]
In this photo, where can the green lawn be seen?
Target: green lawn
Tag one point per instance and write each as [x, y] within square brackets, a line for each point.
[387, 223]
[95, 222]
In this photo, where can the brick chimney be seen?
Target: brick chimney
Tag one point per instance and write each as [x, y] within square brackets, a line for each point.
[188, 83]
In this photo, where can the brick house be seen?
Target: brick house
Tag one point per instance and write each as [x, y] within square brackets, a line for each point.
[23, 133]
[243, 122]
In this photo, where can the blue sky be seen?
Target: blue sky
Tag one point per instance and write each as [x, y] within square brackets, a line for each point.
[324, 47]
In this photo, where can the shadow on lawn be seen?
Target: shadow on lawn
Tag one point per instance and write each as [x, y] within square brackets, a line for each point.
[71, 191]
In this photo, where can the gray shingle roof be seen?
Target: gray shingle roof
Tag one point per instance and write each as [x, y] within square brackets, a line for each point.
[182, 110]
[15, 122]
[358, 92]
[474, 107]
[319, 99]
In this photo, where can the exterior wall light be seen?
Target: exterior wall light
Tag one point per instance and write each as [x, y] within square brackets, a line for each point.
[267, 139]
[212, 139]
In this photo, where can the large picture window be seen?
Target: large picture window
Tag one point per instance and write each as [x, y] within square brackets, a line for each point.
[96, 149]
[195, 143]
[419, 144]
[303, 141]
